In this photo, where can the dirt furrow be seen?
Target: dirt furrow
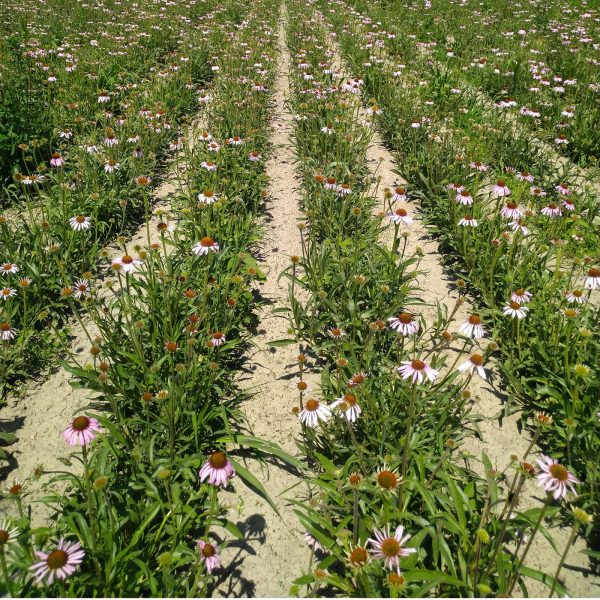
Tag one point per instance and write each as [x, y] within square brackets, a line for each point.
[273, 553]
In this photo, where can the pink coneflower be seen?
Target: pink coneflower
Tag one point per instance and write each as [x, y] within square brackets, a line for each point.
[111, 166]
[217, 339]
[464, 197]
[536, 191]
[400, 217]
[313, 412]
[399, 194]
[511, 211]
[336, 333]
[236, 140]
[563, 188]
[103, 98]
[551, 210]
[555, 478]
[525, 176]
[8, 534]
[8, 268]
[57, 160]
[79, 222]
[472, 327]
[126, 263]
[330, 183]
[455, 187]
[6, 293]
[81, 288]
[576, 297]
[390, 548]
[404, 323]
[343, 189]
[521, 296]
[254, 156]
[474, 362]
[213, 147]
[592, 281]
[514, 309]
[348, 405]
[568, 204]
[59, 563]
[217, 470]
[478, 166]
[208, 165]
[143, 180]
[7, 332]
[81, 431]
[205, 136]
[204, 246]
[417, 370]
[209, 555]
[207, 197]
[357, 379]
[519, 225]
[501, 189]
[468, 221]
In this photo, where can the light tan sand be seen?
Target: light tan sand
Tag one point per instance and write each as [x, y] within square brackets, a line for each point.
[275, 554]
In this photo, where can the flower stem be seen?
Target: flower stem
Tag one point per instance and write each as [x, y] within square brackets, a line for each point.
[564, 557]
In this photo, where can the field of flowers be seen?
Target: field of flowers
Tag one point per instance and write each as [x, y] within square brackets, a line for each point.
[300, 298]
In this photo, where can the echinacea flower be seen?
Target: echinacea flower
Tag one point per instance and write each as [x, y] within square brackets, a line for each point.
[358, 556]
[79, 222]
[207, 197]
[357, 379]
[464, 197]
[57, 160]
[474, 362]
[81, 431]
[468, 221]
[511, 211]
[417, 370]
[217, 339]
[313, 412]
[217, 470]
[404, 323]
[312, 542]
[204, 246]
[7, 535]
[500, 188]
[6, 293]
[592, 281]
[472, 327]
[209, 555]
[348, 406]
[81, 288]
[551, 210]
[390, 548]
[521, 296]
[400, 217]
[111, 166]
[336, 333]
[399, 194]
[126, 263]
[388, 480]
[515, 310]
[60, 563]
[576, 296]
[555, 478]
[8, 268]
[7, 332]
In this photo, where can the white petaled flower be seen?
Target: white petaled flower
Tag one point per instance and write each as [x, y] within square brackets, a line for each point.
[7, 332]
[468, 221]
[111, 166]
[348, 406]
[536, 191]
[400, 217]
[81, 288]
[525, 176]
[343, 189]
[60, 563]
[464, 197]
[207, 197]
[472, 327]
[556, 478]
[208, 165]
[404, 323]
[474, 363]
[8, 268]
[399, 194]
[313, 412]
[80, 222]
[592, 281]
[500, 188]
[336, 333]
[417, 370]
[327, 129]
[204, 246]
[521, 296]
[519, 226]
[515, 310]
[126, 263]
[551, 210]
[390, 548]
[576, 297]
[511, 211]
[6, 293]
[455, 187]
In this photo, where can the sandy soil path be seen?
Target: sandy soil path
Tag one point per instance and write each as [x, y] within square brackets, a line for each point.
[274, 552]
